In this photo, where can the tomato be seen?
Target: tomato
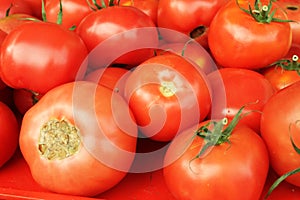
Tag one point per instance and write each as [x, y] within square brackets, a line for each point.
[239, 87]
[7, 24]
[32, 61]
[193, 52]
[9, 133]
[239, 158]
[292, 9]
[14, 6]
[113, 78]
[2, 36]
[167, 93]
[278, 125]
[79, 139]
[283, 191]
[107, 28]
[188, 17]
[24, 99]
[286, 71]
[147, 6]
[236, 39]
[73, 11]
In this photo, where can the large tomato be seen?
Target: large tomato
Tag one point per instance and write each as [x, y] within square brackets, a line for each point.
[167, 94]
[236, 39]
[125, 27]
[9, 133]
[190, 17]
[279, 126]
[235, 168]
[239, 87]
[79, 139]
[73, 11]
[32, 61]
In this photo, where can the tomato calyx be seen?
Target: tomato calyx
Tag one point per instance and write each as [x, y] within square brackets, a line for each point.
[262, 13]
[58, 139]
[291, 64]
[217, 135]
[96, 6]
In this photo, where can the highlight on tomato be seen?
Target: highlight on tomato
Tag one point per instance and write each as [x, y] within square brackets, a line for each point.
[79, 139]
[249, 34]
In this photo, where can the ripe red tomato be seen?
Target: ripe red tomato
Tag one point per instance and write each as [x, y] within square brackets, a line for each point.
[73, 11]
[279, 123]
[7, 24]
[239, 87]
[32, 61]
[292, 9]
[125, 27]
[79, 139]
[9, 134]
[222, 171]
[286, 71]
[236, 39]
[14, 6]
[167, 94]
[24, 99]
[113, 78]
[187, 17]
[147, 6]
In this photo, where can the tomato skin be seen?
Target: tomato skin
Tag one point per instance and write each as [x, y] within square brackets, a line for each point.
[9, 133]
[186, 15]
[171, 94]
[47, 61]
[239, 87]
[278, 120]
[7, 24]
[98, 27]
[73, 11]
[100, 130]
[222, 172]
[292, 9]
[237, 40]
[24, 99]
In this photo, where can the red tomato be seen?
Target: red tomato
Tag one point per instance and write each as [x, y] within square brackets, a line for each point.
[113, 78]
[283, 191]
[7, 24]
[193, 52]
[147, 6]
[73, 11]
[32, 61]
[236, 39]
[14, 6]
[232, 170]
[279, 123]
[79, 139]
[24, 99]
[2, 36]
[9, 133]
[125, 27]
[292, 9]
[286, 71]
[239, 87]
[167, 94]
[187, 17]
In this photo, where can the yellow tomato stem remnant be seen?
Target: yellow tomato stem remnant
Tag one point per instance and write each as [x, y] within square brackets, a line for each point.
[58, 139]
[167, 89]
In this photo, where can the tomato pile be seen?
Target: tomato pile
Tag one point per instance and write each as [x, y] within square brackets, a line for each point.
[206, 91]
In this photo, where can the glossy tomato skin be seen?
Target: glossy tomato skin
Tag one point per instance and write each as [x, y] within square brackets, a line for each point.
[117, 25]
[107, 139]
[239, 87]
[237, 40]
[292, 9]
[279, 123]
[222, 172]
[185, 16]
[73, 11]
[9, 134]
[32, 61]
[167, 93]
[16, 6]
